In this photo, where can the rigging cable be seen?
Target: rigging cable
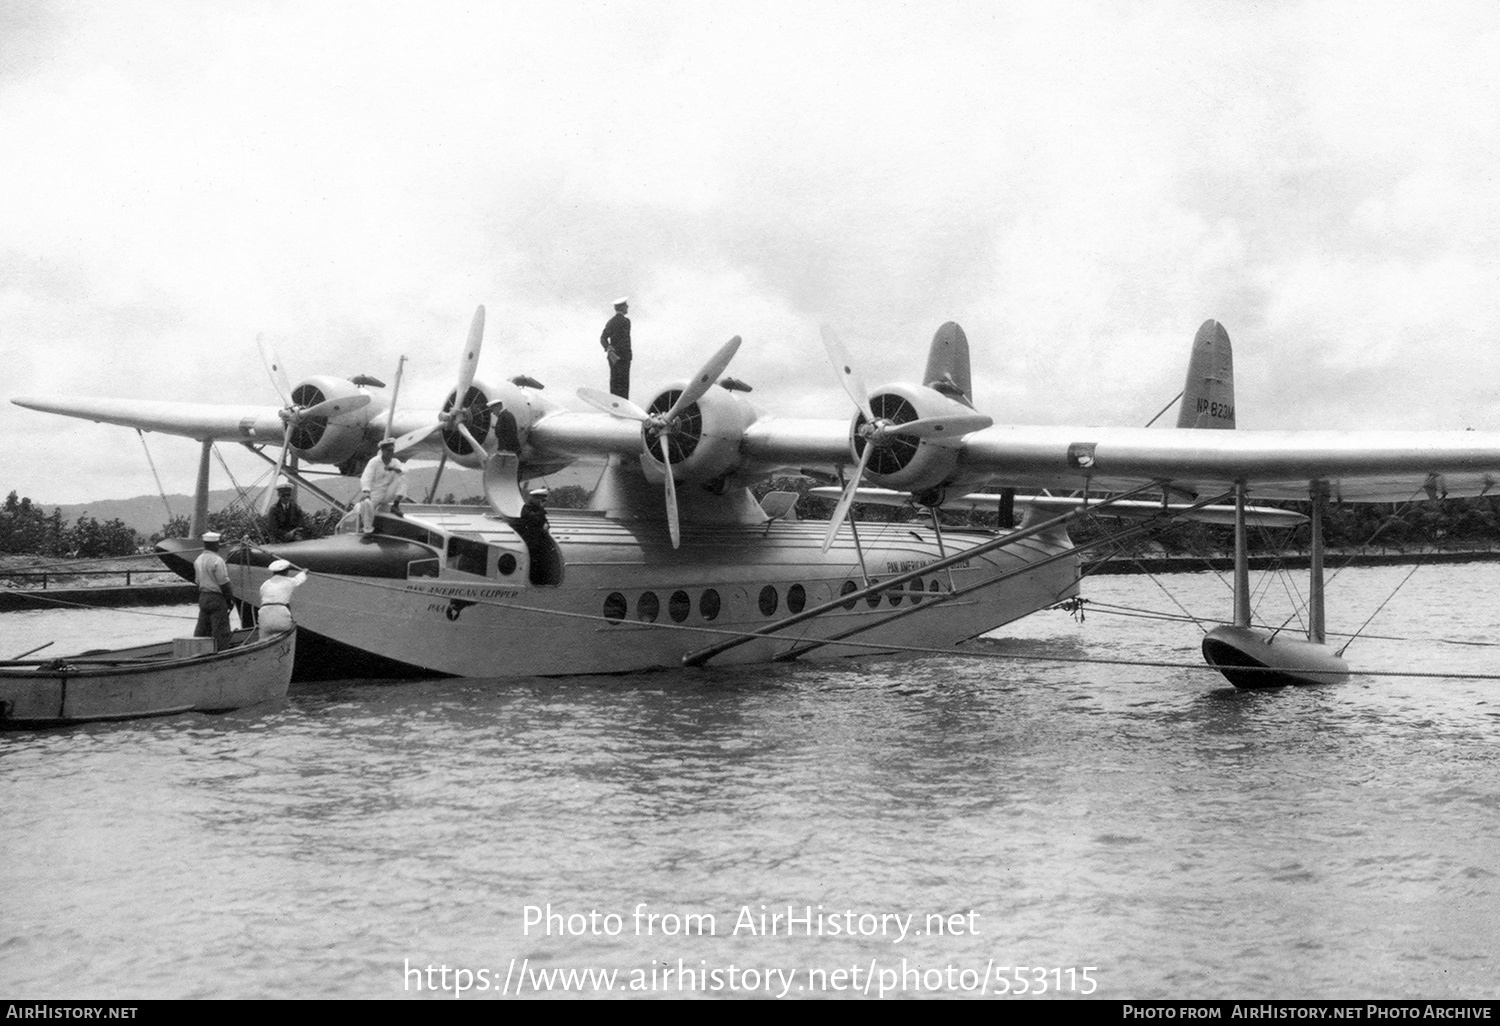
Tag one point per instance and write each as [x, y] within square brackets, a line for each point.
[152, 463]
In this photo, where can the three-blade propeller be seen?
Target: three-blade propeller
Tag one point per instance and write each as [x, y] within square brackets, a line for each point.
[661, 426]
[456, 417]
[291, 413]
[878, 432]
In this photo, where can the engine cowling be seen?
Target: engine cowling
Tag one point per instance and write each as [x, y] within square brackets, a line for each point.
[328, 439]
[507, 427]
[905, 462]
[704, 443]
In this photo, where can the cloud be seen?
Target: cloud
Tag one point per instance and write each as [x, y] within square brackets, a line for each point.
[1080, 185]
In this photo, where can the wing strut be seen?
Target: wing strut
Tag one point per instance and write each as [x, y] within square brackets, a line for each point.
[200, 493]
[295, 474]
[702, 656]
[1241, 560]
[1255, 657]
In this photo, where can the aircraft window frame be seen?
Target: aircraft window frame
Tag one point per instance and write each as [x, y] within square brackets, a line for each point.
[465, 554]
[420, 568]
[873, 601]
[917, 589]
[398, 528]
[768, 597]
[710, 605]
[934, 587]
[679, 606]
[616, 608]
[849, 588]
[894, 596]
[796, 599]
[506, 563]
[647, 607]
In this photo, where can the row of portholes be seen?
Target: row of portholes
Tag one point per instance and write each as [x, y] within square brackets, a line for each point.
[680, 603]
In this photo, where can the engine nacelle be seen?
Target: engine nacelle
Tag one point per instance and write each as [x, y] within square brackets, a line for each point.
[905, 462]
[507, 427]
[704, 444]
[328, 439]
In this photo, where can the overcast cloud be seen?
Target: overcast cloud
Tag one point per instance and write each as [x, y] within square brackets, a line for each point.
[1079, 184]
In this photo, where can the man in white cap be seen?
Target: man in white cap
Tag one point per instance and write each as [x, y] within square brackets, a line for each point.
[214, 593]
[276, 598]
[382, 486]
[285, 521]
[615, 338]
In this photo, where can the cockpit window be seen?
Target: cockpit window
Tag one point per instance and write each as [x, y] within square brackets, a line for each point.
[467, 556]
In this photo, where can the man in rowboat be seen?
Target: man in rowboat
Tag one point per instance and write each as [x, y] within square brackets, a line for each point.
[214, 593]
[276, 597]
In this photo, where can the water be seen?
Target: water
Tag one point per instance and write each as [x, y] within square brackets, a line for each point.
[1180, 837]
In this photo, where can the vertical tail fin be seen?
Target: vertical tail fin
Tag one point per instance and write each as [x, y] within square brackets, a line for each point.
[1208, 394]
[948, 364]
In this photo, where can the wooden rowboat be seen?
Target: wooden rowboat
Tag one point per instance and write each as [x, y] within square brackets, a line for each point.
[150, 680]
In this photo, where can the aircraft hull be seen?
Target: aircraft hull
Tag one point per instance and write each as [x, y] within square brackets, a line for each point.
[627, 601]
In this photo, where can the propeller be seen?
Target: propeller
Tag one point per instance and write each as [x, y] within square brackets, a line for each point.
[880, 432]
[661, 426]
[458, 414]
[293, 414]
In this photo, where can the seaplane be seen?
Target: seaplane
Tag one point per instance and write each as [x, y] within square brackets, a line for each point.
[675, 562]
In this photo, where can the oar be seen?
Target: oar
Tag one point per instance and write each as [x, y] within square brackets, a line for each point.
[28, 652]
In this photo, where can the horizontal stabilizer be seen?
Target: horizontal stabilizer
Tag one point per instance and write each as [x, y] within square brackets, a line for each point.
[1255, 516]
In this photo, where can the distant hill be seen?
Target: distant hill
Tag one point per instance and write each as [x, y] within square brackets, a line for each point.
[146, 515]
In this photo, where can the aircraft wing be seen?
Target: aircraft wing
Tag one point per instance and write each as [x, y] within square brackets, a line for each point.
[202, 421]
[1359, 466]
[795, 442]
[219, 423]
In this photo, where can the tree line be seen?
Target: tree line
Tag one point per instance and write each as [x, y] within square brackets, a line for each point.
[26, 529]
[1427, 523]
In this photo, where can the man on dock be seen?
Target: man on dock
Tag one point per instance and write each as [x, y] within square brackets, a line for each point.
[215, 593]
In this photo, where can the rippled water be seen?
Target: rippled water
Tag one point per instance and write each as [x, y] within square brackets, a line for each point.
[1185, 839]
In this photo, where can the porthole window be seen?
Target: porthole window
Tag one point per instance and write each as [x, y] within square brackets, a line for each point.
[934, 587]
[916, 589]
[896, 595]
[708, 605]
[796, 598]
[679, 606]
[614, 607]
[506, 564]
[873, 600]
[768, 601]
[647, 607]
[848, 588]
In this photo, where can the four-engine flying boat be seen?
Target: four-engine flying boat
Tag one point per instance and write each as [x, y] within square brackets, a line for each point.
[675, 562]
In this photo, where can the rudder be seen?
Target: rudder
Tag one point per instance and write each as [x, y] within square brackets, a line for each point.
[1208, 393]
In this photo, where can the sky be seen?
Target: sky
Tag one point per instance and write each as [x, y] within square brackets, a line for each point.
[1080, 185]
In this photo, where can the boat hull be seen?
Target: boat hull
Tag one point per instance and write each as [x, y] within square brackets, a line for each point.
[144, 681]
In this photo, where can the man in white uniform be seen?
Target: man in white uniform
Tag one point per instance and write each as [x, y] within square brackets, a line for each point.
[214, 593]
[382, 486]
[276, 598]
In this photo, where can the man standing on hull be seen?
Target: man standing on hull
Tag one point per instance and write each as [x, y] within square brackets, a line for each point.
[616, 342]
[214, 593]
